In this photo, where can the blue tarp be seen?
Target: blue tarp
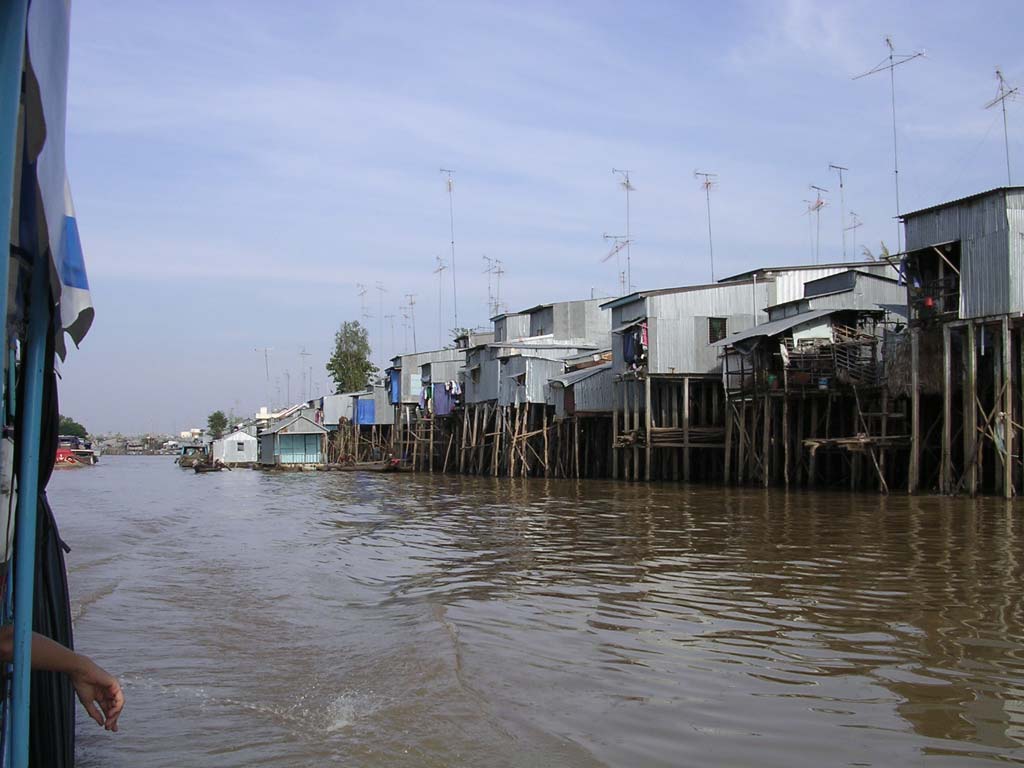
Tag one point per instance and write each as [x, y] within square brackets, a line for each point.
[364, 412]
[395, 386]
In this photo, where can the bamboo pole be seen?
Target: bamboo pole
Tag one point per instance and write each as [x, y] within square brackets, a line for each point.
[727, 471]
[913, 479]
[546, 443]
[648, 422]
[971, 413]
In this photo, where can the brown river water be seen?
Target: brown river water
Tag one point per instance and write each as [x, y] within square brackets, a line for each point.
[417, 620]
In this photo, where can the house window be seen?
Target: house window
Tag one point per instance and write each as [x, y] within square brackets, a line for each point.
[240, 446]
[717, 329]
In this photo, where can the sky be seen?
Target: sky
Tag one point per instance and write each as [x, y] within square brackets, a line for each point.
[239, 169]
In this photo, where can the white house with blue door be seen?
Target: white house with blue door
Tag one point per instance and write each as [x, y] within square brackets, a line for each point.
[297, 440]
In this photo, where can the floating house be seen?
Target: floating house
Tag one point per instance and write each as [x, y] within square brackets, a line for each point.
[239, 447]
[297, 440]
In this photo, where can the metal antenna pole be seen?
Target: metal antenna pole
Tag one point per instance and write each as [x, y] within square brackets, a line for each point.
[627, 185]
[621, 242]
[708, 183]
[304, 354]
[489, 271]
[890, 62]
[1005, 93]
[819, 203]
[411, 297]
[842, 203]
[855, 222]
[451, 217]
[390, 317]
[499, 270]
[381, 290]
[439, 271]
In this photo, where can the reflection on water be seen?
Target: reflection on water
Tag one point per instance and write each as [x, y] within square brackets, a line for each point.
[383, 620]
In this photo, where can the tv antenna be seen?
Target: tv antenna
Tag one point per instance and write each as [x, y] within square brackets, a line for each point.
[451, 220]
[439, 271]
[499, 270]
[411, 298]
[266, 364]
[390, 317]
[309, 382]
[619, 243]
[890, 63]
[489, 271]
[815, 208]
[381, 290]
[404, 310]
[1006, 93]
[628, 187]
[855, 224]
[842, 204]
[708, 182]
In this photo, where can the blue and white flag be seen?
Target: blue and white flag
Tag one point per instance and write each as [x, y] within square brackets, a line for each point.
[46, 117]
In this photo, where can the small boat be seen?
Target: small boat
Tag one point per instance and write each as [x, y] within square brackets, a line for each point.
[191, 455]
[394, 465]
[66, 459]
[200, 468]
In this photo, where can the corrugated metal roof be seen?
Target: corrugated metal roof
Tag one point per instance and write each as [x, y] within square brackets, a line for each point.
[768, 270]
[960, 200]
[774, 327]
[569, 379]
[637, 295]
[289, 422]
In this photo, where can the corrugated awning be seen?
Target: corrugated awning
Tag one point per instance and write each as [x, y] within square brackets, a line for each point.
[774, 327]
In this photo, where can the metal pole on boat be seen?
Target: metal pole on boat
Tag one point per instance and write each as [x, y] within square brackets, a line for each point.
[13, 17]
[28, 500]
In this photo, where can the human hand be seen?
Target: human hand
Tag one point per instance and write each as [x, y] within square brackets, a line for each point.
[99, 692]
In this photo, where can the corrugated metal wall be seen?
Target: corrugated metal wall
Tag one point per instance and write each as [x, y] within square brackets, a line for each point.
[511, 327]
[1015, 224]
[595, 393]
[335, 408]
[989, 265]
[383, 410]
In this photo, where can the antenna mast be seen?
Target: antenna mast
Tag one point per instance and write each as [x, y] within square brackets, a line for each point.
[816, 207]
[855, 222]
[621, 241]
[489, 271]
[842, 203]
[308, 382]
[890, 62]
[626, 185]
[451, 218]
[381, 290]
[411, 298]
[439, 271]
[708, 183]
[1005, 93]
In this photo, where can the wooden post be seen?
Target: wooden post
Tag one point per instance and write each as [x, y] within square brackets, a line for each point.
[766, 439]
[946, 476]
[544, 409]
[430, 461]
[648, 422]
[741, 429]
[971, 412]
[674, 410]
[785, 438]
[576, 444]
[1007, 410]
[913, 475]
[882, 482]
[615, 434]
[686, 429]
[627, 424]
[727, 469]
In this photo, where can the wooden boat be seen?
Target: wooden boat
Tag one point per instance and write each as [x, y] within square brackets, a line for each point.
[200, 468]
[370, 466]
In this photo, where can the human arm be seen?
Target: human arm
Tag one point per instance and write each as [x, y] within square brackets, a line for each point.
[98, 690]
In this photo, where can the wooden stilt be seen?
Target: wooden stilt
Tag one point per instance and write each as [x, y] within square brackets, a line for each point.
[615, 431]
[741, 429]
[913, 479]
[971, 413]
[544, 409]
[766, 440]
[727, 468]
[686, 429]
[1007, 410]
[785, 438]
[648, 422]
[946, 476]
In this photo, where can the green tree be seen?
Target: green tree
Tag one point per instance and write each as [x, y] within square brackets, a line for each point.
[350, 365]
[216, 423]
[68, 426]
